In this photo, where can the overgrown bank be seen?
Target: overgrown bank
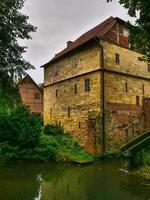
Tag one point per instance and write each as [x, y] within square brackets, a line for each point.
[23, 137]
[144, 171]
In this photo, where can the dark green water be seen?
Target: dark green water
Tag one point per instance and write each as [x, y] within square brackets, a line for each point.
[100, 181]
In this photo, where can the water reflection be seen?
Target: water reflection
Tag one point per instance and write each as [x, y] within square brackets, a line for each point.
[101, 181]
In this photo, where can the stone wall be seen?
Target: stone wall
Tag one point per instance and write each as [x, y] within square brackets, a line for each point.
[129, 62]
[81, 61]
[125, 89]
[80, 103]
[123, 123]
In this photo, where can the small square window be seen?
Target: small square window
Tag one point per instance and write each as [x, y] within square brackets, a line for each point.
[37, 96]
[148, 67]
[117, 58]
[87, 85]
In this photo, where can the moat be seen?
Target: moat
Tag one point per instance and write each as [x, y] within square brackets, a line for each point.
[99, 181]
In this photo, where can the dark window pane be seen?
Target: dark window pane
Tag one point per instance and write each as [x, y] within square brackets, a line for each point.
[79, 124]
[75, 89]
[69, 112]
[56, 93]
[87, 85]
[117, 58]
[51, 112]
[126, 87]
[137, 100]
[143, 89]
[148, 67]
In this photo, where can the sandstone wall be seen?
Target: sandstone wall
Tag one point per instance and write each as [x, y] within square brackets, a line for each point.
[129, 62]
[82, 103]
[83, 60]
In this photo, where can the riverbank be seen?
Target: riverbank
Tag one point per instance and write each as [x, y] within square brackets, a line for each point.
[24, 137]
[143, 172]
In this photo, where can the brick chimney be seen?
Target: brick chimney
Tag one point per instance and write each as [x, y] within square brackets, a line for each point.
[69, 43]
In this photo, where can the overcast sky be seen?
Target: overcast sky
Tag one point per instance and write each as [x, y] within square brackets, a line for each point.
[59, 21]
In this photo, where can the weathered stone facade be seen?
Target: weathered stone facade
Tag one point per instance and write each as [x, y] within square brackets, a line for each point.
[126, 82]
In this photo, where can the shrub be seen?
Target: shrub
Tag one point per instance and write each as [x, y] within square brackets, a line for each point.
[51, 129]
[8, 152]
[20, 128]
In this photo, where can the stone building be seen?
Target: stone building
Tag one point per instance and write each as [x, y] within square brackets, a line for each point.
[31, 94]
[95, 88]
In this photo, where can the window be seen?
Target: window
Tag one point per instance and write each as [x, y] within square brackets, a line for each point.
[143, 89]
[56, 93]
[68, 112]
[51, 112]
[74, 62]
[137, 100]
[148, 67]
[79, 125]
[37, 96]
[59, 123]
[126, 87]
[87, 85]
[117, 58]
[56, 72]
[75, 89]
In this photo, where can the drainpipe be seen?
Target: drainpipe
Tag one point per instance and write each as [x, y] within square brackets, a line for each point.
[102, 93]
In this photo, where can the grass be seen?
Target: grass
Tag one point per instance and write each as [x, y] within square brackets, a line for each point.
[67, 149]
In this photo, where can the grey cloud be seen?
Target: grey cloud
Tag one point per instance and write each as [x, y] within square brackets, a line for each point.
[61, 20]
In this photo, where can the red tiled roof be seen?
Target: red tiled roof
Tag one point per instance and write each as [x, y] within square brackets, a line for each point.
[95, 32]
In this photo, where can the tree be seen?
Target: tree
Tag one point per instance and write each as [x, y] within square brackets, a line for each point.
[140, 33]
[13, 26]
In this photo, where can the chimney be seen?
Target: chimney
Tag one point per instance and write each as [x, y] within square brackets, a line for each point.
[69, 43]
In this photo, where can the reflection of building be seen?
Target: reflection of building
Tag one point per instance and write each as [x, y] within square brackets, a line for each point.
[95, 87]
[31, 94]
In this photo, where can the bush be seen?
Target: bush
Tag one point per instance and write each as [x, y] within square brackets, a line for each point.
[20, 128]
[21, 138]
[146, 155]
[51, 129]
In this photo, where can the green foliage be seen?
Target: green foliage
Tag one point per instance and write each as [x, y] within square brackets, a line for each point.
[20, 128]
[140, 33]
[21, 137]
[146, 156]
[51, 129]
[69, 150]
[13, 26]
[9, 94]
